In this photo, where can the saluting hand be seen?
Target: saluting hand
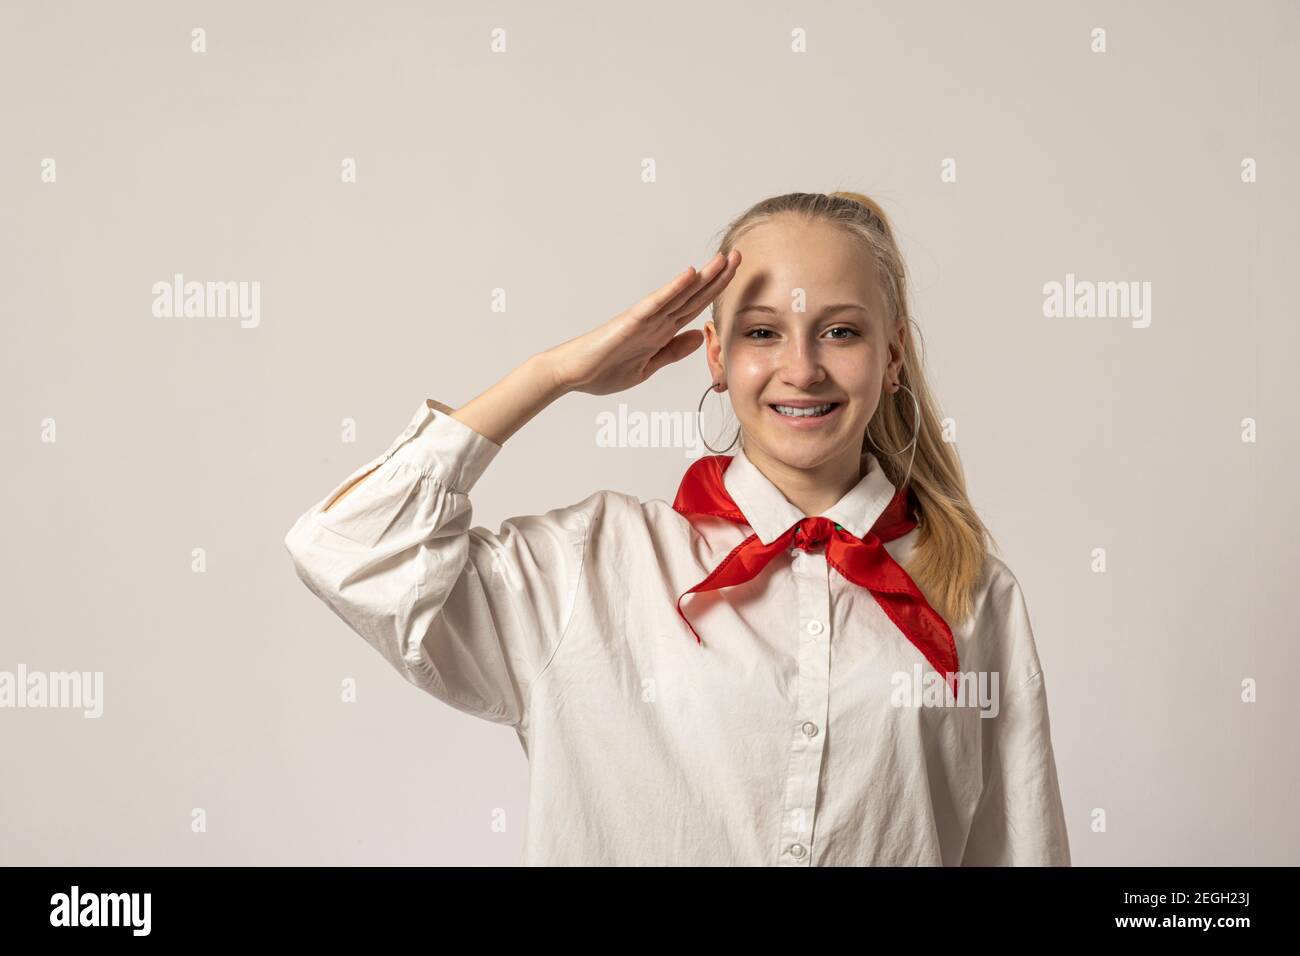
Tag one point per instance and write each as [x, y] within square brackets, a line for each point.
[635, 344]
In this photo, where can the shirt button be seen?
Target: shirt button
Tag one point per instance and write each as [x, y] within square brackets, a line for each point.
[797, 851]
[809, 728]
[815, 627]
[410, 430]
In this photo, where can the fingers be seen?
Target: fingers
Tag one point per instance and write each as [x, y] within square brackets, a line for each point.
[712, 269]
[695, 303]
[677, 349]
[657, 300]
[689, 292]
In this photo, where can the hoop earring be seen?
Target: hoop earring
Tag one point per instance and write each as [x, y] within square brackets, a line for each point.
[699, 416]
[916, 431]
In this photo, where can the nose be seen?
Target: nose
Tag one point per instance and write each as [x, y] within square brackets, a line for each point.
[800, 366]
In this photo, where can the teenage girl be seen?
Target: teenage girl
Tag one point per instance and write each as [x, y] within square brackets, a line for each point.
[809, 657]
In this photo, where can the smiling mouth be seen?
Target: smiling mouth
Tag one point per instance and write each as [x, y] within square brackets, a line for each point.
[818, 411]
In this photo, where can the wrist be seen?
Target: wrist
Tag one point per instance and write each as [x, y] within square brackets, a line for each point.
[550, 379]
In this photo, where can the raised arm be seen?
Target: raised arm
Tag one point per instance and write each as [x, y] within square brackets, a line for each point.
[622, 353]
[469, 615]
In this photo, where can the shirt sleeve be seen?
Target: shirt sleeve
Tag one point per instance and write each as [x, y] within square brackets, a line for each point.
[469, 616]
[1019, 820]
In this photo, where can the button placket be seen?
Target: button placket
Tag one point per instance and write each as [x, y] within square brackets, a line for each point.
[812, 640]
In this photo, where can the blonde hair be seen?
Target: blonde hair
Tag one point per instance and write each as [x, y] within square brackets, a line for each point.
[952, 541]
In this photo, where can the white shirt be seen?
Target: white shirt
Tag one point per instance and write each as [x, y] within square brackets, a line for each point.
[777, 741]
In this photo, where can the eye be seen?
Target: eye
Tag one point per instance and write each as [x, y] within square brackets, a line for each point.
[839, 328]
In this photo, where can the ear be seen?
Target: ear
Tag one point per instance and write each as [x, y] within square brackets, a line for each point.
[713, 352]
[897, 342]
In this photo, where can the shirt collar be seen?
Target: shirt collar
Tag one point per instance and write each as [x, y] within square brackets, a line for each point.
[771, 514]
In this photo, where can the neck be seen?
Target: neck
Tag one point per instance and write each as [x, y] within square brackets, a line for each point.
[811, 490]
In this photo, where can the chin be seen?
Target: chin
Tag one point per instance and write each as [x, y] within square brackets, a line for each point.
[808, 449]
[802, 451]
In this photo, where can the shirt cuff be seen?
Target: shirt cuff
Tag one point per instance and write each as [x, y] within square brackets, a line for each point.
[443, 447]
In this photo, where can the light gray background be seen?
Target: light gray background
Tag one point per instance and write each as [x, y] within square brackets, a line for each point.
[522, 171]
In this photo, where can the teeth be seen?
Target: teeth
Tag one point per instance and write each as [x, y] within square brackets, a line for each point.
[803, 412]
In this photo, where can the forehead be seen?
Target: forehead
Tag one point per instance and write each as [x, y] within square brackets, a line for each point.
[789, 252]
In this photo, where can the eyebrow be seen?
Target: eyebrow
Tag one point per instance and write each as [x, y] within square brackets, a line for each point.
[824, 312]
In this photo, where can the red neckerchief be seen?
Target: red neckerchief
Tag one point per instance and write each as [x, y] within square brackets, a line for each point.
[864, 561]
